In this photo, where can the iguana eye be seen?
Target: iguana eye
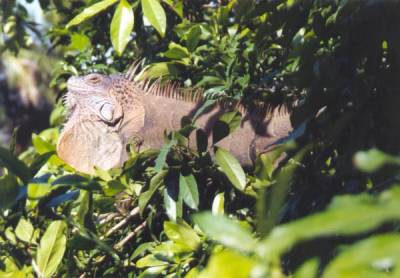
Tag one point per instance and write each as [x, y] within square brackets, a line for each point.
[107, 112]
[93, 78]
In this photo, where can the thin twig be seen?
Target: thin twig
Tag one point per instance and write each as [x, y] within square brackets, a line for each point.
[122, 223]
[105, 218]
[121, 243]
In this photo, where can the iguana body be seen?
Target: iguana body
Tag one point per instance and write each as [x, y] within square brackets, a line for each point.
[107, 112]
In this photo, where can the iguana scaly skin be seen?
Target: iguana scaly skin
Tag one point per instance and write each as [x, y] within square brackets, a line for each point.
[107, 112]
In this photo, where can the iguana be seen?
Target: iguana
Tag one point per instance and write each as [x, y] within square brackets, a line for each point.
[107, 111]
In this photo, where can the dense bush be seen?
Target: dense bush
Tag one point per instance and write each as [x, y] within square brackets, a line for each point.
[178, 212]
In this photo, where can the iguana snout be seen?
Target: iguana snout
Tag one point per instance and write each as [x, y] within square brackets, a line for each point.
[92, 93]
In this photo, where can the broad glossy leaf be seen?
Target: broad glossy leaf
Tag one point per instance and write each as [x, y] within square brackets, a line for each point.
[308, 269]
[37, 190]
[377, 256]
[226, 231]
[227, 264]
[141, 249]
[346, 215]
[176, 5]
[231, 167]
[155, 183]
[52, 247]
[182, 233]
[162, 156]
[41, 145]
[225, 125]
[24, 230]
[218, 204]
[189, 191]
[149, 260]
[176, 51]
[193, 37]
[371, 160]
[158, 70]
[14, 165]
[39, 162]
[121, 26]
[90, 11]
[173, 207]
[155, 13]
[9, 190]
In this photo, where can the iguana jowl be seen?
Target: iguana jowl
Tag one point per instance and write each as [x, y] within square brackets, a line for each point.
[106, 112]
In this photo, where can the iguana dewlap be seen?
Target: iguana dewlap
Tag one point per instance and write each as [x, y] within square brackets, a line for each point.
[107, 112]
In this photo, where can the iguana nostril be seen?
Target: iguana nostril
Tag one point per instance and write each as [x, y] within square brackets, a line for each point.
[107, 112]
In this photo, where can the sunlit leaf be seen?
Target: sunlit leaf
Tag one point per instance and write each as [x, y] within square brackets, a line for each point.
[377, 256]
[155, 13]
[90, 11]
[227, 264]
[173, 207]
[176, 51]
[182, 233]
[231, 168]
[218, 204]
[24, 230]
[371, 160]
[52, 247]
[189, 191]
[226, 231]
[121, 26]
[346, 215]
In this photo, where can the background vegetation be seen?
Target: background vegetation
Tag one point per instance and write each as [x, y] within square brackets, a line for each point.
[330, 208]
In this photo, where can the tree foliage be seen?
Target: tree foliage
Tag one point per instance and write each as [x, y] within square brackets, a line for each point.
[329, 207]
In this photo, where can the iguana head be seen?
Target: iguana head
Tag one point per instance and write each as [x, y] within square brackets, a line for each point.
[94, 95]
[104, 113]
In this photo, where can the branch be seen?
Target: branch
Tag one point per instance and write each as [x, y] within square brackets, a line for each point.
[121, 244]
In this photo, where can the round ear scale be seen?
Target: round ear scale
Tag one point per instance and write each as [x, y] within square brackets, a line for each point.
[107, 112]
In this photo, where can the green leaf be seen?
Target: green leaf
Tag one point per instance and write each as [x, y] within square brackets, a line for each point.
[155, 13]
[218, 204]
[39, 162]
[155, 183]
[158, 70]
[141, 249]
[121, 26]
[346, 215]
[226, 264]
[9, 189]
[38, 190]
[176, 5]
[377, 256]
[24, 230]
[189, 191]
[173, 207]
[14, 165]
[162, 156]
[308, 269]
[41, 146]
[52, 247]
[193, 37]
[371, 160]
[90, 11]
[149, 260]
[231, 167]
[79, 42]
[182, 233]
[176, 51]
[225, 125]
[226, 231]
